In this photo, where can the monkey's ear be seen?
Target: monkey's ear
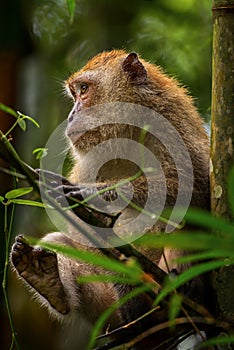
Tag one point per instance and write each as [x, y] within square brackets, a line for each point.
[134, 68]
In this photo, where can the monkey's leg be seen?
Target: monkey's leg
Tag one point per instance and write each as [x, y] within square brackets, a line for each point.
[39, 268]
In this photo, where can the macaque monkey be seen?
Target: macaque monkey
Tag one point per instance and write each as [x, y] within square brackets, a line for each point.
[116, 77]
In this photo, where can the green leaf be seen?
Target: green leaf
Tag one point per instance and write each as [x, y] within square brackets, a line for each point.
[1, 199]
[71, 4]
[23, 116]
[18, 192]
[220, 340]
[133, 270]
[205, 219]
[174, 307]
[28, 202]
[8, 110]
[187, 275]
[205, 255]
[32, 120]
[107, 313]
[107, 278]
[22, 124]
[40, 152]
[192, 240]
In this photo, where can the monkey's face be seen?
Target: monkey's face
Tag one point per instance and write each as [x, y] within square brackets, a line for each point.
[109, 77]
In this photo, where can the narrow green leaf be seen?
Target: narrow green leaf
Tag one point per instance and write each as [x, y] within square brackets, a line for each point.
[205, 255]
[40, 152]
[8, 110]
[106, 314]
[71, 4]
[193, 241]
[107, 278]
[32, 120]
[205, 219]
[1, 199]
[174, 307]
[132, 270]
[187, 275]
[18, 192]
[22, 124]
[28, 202]
[220, 340]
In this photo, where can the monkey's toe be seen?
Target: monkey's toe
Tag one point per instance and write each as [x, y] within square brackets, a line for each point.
[31, 260]
[20, 253]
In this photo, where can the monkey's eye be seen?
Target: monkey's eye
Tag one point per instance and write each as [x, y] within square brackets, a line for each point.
[83, 88]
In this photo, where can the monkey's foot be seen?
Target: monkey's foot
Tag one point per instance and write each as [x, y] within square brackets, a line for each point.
[39, 268]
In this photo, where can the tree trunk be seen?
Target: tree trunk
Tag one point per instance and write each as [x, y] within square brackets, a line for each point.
[222, 140]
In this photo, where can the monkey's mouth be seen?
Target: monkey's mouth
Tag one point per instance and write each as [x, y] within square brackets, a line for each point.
[74, 135]
[84, 139]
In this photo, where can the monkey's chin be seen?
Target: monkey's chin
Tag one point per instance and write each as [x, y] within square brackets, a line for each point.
[75, 135]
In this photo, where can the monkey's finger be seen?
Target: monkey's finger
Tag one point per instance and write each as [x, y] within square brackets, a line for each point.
[50, 176]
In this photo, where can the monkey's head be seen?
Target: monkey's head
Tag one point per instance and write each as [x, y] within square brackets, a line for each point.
[113, 76]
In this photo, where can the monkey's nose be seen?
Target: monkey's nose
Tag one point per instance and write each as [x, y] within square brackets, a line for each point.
[70, 117]
[74, 111]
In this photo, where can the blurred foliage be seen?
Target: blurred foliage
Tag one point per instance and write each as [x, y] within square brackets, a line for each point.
[173, 34]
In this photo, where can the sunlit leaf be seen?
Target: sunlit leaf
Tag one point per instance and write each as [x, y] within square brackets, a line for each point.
[1, 199]
[28, 202]
[19, 192]
[71, 4]
[40, 152]
[133, 270]
[23, 116]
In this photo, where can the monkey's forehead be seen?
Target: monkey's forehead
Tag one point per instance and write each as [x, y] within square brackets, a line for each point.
[104, 58]
[100, 61]
[81, 76]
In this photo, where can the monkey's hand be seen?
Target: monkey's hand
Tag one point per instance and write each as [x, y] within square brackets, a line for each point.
[39, 268]
[53, 184]
[93, 199]
[59, 188]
